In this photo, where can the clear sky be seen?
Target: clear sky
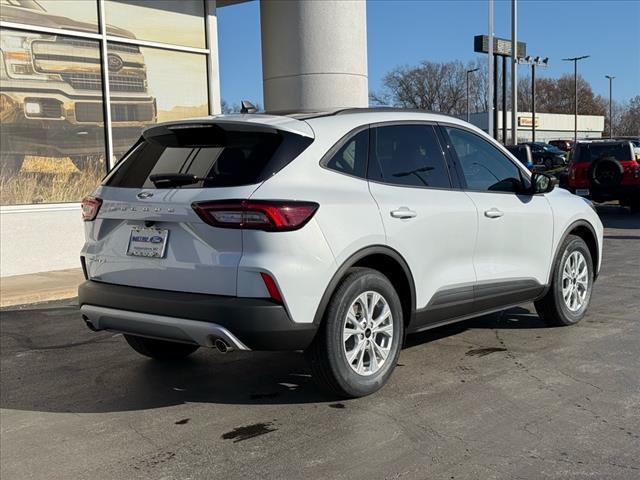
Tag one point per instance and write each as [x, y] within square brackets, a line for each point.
[405, 32]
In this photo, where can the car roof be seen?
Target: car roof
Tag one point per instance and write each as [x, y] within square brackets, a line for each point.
[302, 123]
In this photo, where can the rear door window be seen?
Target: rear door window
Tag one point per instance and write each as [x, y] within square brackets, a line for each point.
[220, 158]
[408, 155]
[590, 152]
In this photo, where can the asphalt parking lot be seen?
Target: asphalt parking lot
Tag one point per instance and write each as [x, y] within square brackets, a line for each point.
[500, 396]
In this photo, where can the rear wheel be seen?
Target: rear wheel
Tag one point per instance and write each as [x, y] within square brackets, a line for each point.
[160, 349]
[358, 345]
[568, 297]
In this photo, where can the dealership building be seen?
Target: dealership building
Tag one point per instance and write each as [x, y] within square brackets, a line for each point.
[80, 80]
[549, 126]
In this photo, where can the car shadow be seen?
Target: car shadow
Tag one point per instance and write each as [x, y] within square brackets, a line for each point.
[104, 375]
[614, 216]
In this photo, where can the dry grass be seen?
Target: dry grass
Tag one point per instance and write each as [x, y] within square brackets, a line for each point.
[49, 180]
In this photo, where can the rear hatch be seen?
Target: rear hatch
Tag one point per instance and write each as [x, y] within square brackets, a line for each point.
[146, 233]
[614, 161]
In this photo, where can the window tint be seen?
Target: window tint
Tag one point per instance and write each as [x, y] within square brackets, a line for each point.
[588, 152]
[351, 158]
[408, 155]
[485, 168]
[222, 159]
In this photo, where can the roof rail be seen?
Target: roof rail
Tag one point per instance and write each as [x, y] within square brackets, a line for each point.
[351, 110]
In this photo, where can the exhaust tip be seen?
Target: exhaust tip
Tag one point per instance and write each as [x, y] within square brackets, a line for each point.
[222, 346]
[90, 325]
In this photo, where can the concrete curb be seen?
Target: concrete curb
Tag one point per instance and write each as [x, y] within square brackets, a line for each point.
[39, 287]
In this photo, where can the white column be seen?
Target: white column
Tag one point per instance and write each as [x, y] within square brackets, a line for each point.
[314, 54]
[213, 65]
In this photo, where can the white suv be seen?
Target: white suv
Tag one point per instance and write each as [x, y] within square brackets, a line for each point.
[335, 233]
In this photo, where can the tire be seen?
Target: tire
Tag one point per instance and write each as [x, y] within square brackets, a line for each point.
[606, 172]
[552, 308]
[328, 354]
[160, 349]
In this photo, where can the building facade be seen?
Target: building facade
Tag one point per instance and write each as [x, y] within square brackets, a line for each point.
[81, 79]
[549, 126]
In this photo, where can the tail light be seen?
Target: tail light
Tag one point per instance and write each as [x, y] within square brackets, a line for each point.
[270, 216]
[272, 288]
[90, 208]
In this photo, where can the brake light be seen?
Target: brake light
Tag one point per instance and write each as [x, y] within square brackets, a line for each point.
[90, 208]
[270, 216]
[272, 288]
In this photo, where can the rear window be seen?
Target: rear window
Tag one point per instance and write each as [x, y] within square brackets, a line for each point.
[589, 152]
[221, 158]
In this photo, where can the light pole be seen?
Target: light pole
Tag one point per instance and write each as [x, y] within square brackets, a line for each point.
[468, 72]
[575, 82]
[534, 62]
[610, 104]
[514, 72]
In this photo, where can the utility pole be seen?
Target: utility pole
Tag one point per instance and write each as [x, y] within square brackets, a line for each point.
[468, 72]
[534, 62]
[575, 84]
[514, 72]
[491, 79]
[610, 105]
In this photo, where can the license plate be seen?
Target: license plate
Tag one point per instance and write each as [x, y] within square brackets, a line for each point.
[147, 242]
[583, 192]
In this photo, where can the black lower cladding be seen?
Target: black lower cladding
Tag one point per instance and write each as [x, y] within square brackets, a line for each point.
[261, 324]
[465, 301]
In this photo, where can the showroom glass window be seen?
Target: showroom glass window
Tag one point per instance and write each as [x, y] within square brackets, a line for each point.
[408, 155]
[485, 168]
[150, 85]
[166, 21]
[65, 14]
[54, 137]
[49, 150]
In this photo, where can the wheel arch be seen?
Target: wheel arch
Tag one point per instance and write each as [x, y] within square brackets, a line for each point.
[388, 262]
[586, 231]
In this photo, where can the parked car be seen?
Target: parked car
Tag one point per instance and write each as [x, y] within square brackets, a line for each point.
[564, 145]
[606, 170]
[522, 153]
[334, 233]
[546, 155]
[52, 84]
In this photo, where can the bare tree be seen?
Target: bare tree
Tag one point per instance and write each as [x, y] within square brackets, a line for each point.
[439, 87]
[557, 95]
[628, 121]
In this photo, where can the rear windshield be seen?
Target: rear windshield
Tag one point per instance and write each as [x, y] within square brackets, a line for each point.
[589, 152]
[220, 158]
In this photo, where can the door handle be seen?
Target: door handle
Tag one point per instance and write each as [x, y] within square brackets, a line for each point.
[403, 212]
[493, 213]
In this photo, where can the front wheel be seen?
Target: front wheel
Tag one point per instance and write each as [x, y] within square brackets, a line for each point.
[568, 297]
[160, 349]
[358, 345]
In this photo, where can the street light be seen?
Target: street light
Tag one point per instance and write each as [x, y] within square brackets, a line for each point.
[575, 81]
[534, 62]
[610, 104]
[468, 72]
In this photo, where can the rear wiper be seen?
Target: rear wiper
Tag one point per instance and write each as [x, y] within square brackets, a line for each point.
[168, 180]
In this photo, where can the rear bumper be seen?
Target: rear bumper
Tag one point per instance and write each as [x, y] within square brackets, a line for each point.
[244, 323]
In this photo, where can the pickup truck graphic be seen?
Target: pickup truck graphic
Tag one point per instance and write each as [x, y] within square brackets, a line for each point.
[51, 92]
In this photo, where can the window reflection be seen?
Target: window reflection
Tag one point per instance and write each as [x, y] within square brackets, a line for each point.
[179, 22]
[52, 132]
[153, 85]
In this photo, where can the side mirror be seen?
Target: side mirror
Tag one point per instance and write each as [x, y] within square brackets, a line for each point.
[542, 183]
